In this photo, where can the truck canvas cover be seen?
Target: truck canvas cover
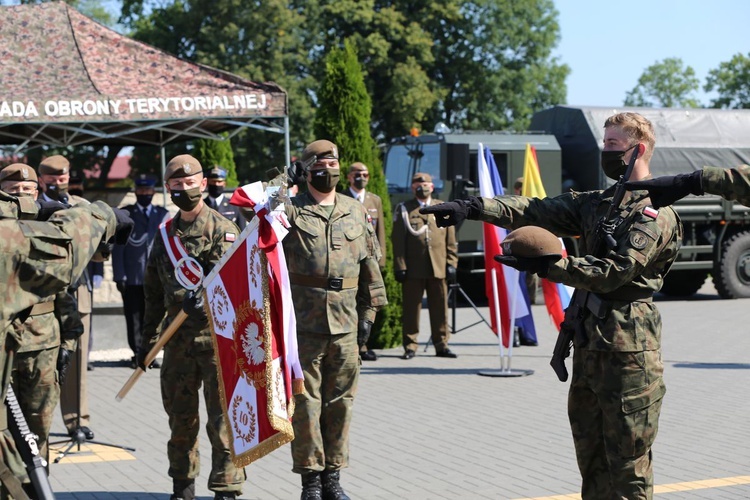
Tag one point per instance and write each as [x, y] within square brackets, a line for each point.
[686, 139]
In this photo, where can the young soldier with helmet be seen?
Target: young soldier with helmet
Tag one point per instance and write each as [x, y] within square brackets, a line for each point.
[616, 389]
[337, 288]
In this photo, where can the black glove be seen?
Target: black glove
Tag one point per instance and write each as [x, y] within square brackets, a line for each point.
[450, 274]
[121, 286]
[296, 174]
[124, 226]
[454, 212]
[192, 304]
[363, 331]
[63, 361]
[533, 265]
[47, 208]
[666, 190]
[400, 276]
[140, 359]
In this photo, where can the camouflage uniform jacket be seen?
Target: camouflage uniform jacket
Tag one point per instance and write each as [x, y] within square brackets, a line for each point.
[42, 258]
[205, 239]
[646, 247]
[45, 331]
[342, 245]
[729, 183]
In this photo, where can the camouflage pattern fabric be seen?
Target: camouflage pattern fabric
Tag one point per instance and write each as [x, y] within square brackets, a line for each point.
[616, 389]
[188, 356]
[729, 183]
[40, 259]
[329, 242]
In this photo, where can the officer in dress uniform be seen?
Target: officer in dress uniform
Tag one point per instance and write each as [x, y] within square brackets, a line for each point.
[217, 183]
[358, 178]
[129, 260]
[424, 257]
[54, 174]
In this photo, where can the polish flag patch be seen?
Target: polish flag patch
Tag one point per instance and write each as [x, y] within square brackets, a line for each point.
[230, 237]
[651, 212]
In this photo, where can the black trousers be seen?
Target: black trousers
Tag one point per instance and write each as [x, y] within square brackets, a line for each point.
[134, 306]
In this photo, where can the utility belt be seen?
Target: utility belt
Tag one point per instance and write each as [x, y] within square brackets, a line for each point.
[600, 304]
[42, 308]
[320, 282]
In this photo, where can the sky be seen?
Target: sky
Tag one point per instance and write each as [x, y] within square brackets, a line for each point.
[608, 45]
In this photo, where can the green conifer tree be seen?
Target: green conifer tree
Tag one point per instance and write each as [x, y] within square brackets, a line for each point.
[343, 117]
[217, 153]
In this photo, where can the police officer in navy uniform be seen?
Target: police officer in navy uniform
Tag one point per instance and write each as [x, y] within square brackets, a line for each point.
[217, 182]
[129, 260]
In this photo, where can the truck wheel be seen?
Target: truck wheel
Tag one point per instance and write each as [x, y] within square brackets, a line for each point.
[732, 271]
[683, 283]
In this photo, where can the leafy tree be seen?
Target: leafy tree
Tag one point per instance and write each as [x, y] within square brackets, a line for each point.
[217, 153]
[343, 117]
[732, 82]
[666, 84]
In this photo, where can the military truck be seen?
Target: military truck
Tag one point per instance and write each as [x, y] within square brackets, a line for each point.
[717, 231]
[451, 161]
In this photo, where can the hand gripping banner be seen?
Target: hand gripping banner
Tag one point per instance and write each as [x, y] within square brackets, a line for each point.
[252, 321]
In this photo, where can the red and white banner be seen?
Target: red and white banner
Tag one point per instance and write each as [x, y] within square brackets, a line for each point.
[254, 332]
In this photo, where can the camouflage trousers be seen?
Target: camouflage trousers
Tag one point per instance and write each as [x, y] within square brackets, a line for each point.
[323, 414]
[613, 406]
[184, 369]
[38, 391]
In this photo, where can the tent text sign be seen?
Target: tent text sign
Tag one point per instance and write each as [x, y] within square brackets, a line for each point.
[137, 106]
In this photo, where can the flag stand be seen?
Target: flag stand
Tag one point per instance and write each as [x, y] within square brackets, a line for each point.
[505, 369]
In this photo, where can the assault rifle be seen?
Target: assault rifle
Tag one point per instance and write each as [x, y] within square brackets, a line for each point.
[572, 324]
[25, 440]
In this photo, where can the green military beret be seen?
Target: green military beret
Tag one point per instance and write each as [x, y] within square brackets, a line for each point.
[530, 242]
[18, 172]
[182, 166]
[318, 150]
[54, 165]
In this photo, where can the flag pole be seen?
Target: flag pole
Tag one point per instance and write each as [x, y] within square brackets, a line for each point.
[496, 300]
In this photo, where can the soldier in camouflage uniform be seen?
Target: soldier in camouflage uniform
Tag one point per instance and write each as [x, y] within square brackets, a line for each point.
[617, 388]
[188, 357]
[39, 355]
[332, 255]
[39, 259]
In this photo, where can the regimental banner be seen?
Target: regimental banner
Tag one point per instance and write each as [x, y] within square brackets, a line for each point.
[254, 334]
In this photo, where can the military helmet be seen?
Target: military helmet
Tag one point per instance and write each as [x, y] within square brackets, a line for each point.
[530, 242]
[318, 150]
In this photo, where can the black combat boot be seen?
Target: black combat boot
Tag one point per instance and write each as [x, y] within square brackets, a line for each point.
[183, 489]
[312, 489]
[332, 490]
[225, 495]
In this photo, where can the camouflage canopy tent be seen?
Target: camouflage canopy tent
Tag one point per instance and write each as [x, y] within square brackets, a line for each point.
[66, 80]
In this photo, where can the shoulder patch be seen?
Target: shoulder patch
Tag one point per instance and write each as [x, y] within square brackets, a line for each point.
[638, 240]
[230, 237]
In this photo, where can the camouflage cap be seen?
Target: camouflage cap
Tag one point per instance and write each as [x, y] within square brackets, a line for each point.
[18, 172]
[421, 177]
[182, 166]
[54, 165]
[358, 166]
[530, 242]
[217, 173]
[318, 150]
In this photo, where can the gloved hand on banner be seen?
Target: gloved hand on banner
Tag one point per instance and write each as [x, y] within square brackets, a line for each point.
[140, 359]
[363, 331]
[63, 361]
[400, 275]
[192, 304]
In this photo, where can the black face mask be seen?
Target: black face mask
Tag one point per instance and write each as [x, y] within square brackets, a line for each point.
[215, 191]
[613, 164]
[58, 192]
[325, 180]
[423, 192]
[186, 199]
[360, 182]
[144, 200]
